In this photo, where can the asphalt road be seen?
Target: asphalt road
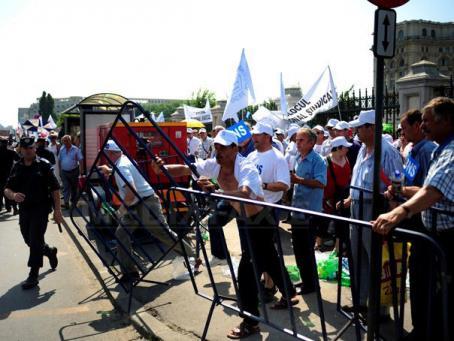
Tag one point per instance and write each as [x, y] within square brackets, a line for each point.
[68, 304]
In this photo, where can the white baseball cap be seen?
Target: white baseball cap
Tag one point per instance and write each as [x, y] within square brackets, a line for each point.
[331, 122]
[226, 138]
[112, 146]
[202, 130]
[292, 131]
[340, 141]
[318, 127]
[366, 116]
[341, 125]
[189, 131]
[326, 133]
[261, 128]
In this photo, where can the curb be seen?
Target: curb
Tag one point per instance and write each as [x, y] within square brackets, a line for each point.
[146, 325]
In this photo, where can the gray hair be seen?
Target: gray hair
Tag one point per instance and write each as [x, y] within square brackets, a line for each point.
[309, 133]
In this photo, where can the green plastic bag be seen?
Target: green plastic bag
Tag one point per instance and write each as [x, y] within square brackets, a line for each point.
[327, 268]
[294, 273]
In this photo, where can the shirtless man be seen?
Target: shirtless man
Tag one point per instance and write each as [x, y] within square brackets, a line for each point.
[238, 177]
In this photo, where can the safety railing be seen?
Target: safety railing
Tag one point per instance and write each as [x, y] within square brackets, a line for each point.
[293, 329]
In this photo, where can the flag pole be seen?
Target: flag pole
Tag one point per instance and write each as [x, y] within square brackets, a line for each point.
[338, 109]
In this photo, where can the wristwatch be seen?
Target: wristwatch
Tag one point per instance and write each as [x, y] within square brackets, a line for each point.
[265, 185]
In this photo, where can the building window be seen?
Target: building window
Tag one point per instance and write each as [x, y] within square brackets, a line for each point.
[440, 49]
[443, 62]
[401, 74]
[424, 32]
[401, 63]
[432, 33]
[401, 34]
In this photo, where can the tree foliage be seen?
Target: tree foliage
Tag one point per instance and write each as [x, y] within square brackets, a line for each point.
[199, 98]
[167, 108]
[46, 106]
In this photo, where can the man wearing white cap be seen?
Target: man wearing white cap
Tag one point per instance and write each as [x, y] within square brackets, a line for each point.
[193, 143]
[280, 136]
[236, 176]
[146, 207]
[206, 144]
[342, 128]
[319, 131]
[274, 172]
[326, 147]
[363, 176]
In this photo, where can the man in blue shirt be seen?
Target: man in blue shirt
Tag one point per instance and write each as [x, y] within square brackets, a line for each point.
[437, 193]
[70, 165]
[309, 178]
[362, 177]
[416, 168]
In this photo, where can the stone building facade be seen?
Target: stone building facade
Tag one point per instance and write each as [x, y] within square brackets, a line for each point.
[418, 40]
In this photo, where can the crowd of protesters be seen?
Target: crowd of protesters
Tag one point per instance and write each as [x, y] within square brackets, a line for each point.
[330, 169]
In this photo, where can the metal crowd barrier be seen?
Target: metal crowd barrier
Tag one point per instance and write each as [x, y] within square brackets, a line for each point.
[354, 319]
[97, 194]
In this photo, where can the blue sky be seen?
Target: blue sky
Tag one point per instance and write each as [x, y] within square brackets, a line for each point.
[168, 49]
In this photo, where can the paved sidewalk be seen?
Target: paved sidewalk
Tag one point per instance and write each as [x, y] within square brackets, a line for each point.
[68, 304]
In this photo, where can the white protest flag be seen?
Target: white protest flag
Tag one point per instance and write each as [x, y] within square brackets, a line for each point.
[241, 88]
[208, 111]
[200, 114]
[50, 123]
[161, 117]
[272, 118]
[283, 99]
[320, 97]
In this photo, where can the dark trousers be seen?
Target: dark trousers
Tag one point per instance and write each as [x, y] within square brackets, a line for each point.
[33, 225]
[303, 240]
[260, 229]
[8, 203]
[70, 181]
[220, 217]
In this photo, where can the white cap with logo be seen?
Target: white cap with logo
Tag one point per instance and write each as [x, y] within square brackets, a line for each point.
[226, 138]
[261, 128]
[365, 117]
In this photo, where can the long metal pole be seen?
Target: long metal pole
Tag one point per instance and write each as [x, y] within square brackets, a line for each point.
[375, 257]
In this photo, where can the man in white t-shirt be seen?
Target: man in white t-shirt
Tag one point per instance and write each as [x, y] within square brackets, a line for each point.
[270, 163]
[193, 145]
[206, 144]
[141, 207]
[236, 176]
[274, 172]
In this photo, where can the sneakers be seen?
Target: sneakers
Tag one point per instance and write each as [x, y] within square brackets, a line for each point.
[214, 261]
[53, 260]
[30, 282]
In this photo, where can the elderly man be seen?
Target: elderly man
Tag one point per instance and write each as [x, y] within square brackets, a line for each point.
[193, 145]
[362, 177]
[206, 144]
[236, 176]
[70, 164]
[309, 178]
[436, 193]
[146, 207]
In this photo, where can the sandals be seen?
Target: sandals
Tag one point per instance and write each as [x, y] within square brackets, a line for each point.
[283, 303]
[242, 331]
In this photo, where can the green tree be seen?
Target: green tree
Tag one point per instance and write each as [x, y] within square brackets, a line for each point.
[46, 106]
[167, 108]
[199, 98]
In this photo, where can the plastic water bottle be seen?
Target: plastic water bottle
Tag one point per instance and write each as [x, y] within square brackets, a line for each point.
[397, 181]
